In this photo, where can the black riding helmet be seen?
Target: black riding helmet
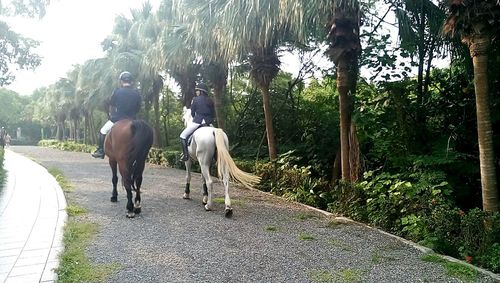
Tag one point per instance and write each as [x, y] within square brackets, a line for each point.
[126, 76]
[202, 87]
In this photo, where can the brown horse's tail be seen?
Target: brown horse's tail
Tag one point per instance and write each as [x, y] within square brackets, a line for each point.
[142, 140]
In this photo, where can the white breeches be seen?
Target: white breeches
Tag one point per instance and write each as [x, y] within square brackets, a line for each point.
[105, 129]
[190, 128]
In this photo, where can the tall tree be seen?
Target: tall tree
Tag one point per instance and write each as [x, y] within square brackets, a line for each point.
[16, 49]
[478, 24]
[342, 22]
[253, 30]
[420, 25]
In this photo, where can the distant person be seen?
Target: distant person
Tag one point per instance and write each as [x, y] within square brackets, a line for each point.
[125, 104]
[7, 140]
[2, 137]
[203, 112]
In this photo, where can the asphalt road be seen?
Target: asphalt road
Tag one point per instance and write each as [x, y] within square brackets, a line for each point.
[267, 239]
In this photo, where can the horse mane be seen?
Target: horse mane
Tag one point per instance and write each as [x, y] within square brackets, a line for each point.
[186, 115]
[142, 140]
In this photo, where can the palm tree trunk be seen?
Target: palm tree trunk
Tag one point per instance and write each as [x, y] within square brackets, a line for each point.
[271, 141]
[478, 47]
[345, 114]
[218, 93]
[157, 87]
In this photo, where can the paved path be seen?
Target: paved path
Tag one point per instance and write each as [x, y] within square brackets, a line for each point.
[267, 240]
[32, 213]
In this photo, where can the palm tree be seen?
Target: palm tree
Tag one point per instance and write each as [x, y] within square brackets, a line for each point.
[251, 30]
[342, 21]
[199, 36]
[128, 47]
[477, 23]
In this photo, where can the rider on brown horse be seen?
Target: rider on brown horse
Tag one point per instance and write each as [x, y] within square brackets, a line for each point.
[125, 103]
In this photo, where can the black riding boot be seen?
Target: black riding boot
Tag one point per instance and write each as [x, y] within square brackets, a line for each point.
[185, 151]
[99, 153]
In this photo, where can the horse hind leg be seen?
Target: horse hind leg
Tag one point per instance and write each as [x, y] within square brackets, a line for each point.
[205, 192]
[138, 183]
[130, 205]
[205, 171]
[228, 211]
[127, 183]
[114, 180]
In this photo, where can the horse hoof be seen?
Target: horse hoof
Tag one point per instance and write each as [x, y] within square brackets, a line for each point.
[186, 196]
[130, 214]
[207, 208]
[228, 212]
[114, 199]
[137, 210]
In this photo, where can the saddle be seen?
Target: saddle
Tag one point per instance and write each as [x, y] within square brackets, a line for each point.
[190, 138]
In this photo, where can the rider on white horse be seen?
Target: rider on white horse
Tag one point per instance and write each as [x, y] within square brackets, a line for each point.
[203, 112]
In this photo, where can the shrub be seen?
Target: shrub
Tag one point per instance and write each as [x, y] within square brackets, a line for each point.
[284, 178]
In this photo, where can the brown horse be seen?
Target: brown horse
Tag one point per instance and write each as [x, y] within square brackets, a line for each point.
[127, 146]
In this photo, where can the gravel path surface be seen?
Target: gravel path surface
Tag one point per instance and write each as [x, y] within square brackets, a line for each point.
[267, 239]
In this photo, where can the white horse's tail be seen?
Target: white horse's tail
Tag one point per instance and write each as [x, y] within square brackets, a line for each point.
[225, 162]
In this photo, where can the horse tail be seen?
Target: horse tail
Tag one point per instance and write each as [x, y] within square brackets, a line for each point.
[142, 140]
[225, 162]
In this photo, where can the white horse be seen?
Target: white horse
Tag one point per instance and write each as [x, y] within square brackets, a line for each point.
[205, 143]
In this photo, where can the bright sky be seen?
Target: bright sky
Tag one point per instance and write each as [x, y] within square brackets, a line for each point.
[70, 33]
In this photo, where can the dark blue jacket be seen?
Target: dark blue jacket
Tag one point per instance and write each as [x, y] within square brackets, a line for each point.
[125, 103]
[202, 108]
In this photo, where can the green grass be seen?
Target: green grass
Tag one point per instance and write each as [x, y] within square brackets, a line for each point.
[74, 264]
[234, 202]
[74, 210]
[346, 275]
[271, 228]
[350, 275]
[378, 257]
[305, 216]
[453, 269]
[321, 276]
[65, 185]
[335, 224]
[340, 244]
[306, 237]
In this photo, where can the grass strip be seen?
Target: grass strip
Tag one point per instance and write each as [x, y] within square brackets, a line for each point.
[74, 265]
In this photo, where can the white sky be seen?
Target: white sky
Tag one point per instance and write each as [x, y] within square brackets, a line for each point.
[70, 33]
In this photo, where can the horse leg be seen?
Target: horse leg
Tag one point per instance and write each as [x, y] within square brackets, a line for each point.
[188, 179]
[130, 204]
[205, 192]
[114, 179]
[228, 211]
[127, 183]
[138, 183]
[205, 172]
